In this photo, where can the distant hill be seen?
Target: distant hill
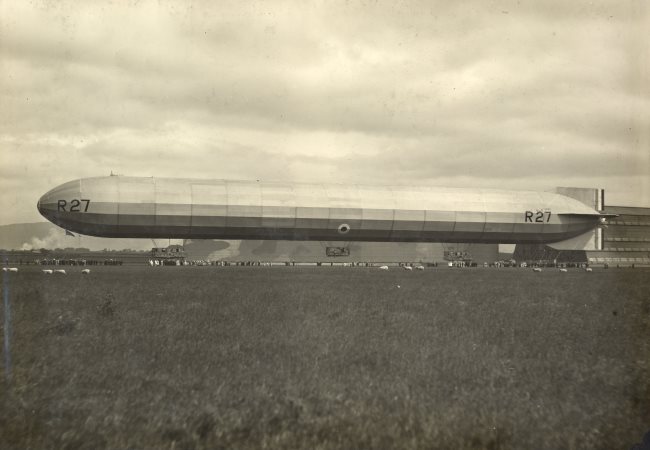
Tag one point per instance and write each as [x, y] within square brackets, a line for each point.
[13, 236]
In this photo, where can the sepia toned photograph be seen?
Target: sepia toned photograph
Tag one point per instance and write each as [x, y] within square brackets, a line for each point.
[325, 224]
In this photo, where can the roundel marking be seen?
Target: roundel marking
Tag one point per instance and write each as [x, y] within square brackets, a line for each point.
[344, 228]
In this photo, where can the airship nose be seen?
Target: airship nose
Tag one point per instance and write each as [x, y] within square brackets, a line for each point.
[53, 204]
[41, 205]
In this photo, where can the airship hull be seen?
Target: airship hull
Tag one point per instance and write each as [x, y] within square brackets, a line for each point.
[132, 207]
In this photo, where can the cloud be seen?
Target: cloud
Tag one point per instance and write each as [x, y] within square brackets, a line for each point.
[55, 239]
[468, 93]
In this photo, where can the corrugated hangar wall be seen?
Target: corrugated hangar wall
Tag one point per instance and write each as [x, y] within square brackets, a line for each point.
[626, 239]
[309, 251]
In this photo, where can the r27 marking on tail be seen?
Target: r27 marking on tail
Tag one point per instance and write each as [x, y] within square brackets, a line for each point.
[537, 216]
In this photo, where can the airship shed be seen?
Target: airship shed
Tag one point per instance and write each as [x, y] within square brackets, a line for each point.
[626, 239]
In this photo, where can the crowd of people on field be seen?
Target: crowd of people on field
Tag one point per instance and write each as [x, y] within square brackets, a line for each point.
[79, 262]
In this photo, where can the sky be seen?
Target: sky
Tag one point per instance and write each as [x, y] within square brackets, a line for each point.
[505, 94]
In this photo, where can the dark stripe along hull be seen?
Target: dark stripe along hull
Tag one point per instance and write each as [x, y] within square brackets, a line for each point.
[380, 231]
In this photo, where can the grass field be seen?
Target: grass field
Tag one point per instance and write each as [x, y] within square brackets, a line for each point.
[290, 357]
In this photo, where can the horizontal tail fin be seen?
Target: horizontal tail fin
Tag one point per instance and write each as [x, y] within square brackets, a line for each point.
[591, 240]
[600, 215]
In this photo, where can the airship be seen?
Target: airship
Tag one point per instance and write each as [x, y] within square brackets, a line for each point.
[180, 208]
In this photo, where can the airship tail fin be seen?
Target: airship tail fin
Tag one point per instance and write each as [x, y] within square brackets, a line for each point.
[592, 197]
[591, 240]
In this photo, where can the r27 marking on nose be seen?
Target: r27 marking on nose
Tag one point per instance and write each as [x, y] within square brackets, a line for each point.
[75, 205]
[537, 216]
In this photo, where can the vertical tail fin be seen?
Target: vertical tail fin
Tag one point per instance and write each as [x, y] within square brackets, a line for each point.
[592, 197]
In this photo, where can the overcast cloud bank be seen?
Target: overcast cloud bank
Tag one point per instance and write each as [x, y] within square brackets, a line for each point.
[484, 94]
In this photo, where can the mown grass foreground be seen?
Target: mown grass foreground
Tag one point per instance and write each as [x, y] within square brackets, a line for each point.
[289, 357]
